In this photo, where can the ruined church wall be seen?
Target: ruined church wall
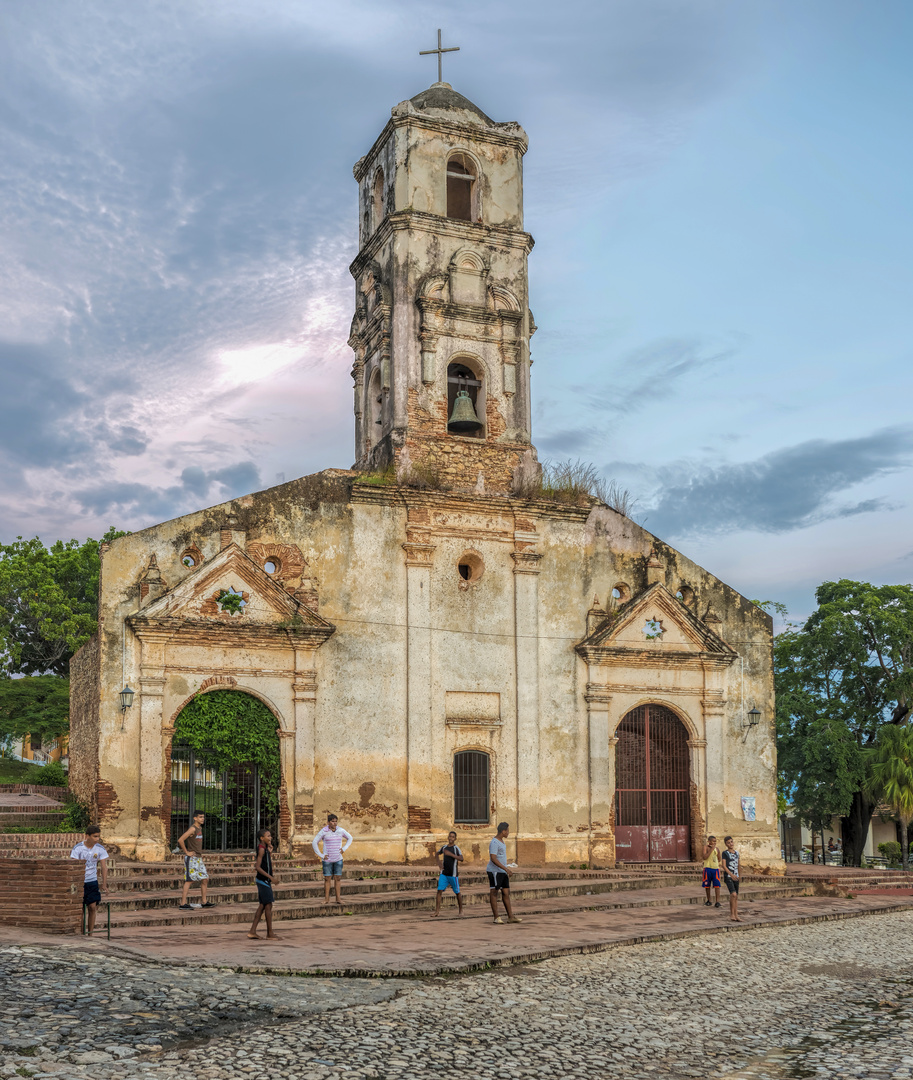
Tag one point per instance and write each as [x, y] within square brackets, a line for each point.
[390, 779]
[85, 689]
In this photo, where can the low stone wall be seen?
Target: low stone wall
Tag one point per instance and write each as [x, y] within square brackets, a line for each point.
[42, 894]
[62, 794]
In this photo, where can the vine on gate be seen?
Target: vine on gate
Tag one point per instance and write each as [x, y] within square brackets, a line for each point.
[228, 727]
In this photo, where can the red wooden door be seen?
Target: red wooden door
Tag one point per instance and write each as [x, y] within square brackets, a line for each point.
[652, 787]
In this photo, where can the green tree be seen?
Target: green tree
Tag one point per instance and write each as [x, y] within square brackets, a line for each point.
[840, 679]
[35, 705]
[891, 778]
[48, 603]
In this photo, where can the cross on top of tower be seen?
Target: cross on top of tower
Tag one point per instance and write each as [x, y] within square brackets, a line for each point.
[439, 51]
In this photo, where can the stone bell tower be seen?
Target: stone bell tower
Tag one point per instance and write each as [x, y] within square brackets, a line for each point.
[442, 319]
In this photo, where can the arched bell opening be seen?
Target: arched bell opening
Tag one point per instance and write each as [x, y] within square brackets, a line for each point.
[225, 762]
[377, 198]
[465, 399]
[652, 787]
[462, 188]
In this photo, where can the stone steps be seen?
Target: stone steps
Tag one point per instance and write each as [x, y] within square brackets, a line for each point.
[38, 845]
[552, 898]
[245, 892]
[131, 875]
[36, 817]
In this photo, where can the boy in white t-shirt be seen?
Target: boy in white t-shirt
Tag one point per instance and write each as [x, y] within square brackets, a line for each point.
[95, 858]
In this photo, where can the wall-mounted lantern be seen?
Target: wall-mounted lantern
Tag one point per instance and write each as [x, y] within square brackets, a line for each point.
[126, 698]
[754, 717]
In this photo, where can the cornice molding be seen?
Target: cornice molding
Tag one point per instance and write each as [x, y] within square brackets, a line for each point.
[468, 132]
[495, 236]
[526, 562]
[652, 658]
[168, 630]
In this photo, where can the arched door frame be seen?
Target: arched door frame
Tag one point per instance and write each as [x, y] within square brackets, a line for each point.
[653, 822]
[285, 735]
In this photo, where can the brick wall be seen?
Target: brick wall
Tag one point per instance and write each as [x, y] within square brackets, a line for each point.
[85, 692]
[42, 894]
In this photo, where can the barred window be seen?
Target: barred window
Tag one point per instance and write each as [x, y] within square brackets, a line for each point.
[471, 785]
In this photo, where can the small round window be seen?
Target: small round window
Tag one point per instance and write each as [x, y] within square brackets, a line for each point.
[271, 566]
[189, 560]
[686, 595]
[470, 566]
[621, 592]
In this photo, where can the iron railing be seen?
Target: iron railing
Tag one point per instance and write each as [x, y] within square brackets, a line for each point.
[233, 799]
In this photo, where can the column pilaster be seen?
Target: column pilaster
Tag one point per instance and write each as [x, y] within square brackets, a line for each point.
[419, 739]
[301, 767]
[530, 846]
[602, 773]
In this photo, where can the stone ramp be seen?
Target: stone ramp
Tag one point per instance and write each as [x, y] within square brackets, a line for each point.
[411, 943]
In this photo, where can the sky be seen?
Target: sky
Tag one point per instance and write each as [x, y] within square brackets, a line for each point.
[720, 196]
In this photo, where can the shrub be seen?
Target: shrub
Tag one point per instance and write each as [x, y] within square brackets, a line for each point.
[578, 483]
[52, 774]
[383, 478]
[75, 819]
[892, 852]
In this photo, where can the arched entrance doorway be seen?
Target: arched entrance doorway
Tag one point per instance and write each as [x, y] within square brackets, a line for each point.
[225, 762]
[652, 787]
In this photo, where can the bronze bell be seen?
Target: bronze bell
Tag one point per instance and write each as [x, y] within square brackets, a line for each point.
[464, 416]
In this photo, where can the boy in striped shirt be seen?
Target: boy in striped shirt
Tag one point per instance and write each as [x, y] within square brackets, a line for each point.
[332, 836]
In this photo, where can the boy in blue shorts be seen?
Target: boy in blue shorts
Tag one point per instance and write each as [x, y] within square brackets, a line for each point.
[449, 859]
[95, 857]
[711, 878]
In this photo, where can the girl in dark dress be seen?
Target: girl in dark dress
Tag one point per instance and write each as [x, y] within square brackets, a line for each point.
[264, 877]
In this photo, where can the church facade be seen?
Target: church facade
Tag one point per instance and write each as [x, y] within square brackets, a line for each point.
[442, 642]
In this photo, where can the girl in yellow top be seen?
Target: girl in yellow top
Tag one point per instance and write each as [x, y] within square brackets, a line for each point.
[711, 871]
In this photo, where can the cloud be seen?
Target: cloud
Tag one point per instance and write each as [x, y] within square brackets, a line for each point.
[196, 487]
[785, 490]
[650, 373]
[568, 441]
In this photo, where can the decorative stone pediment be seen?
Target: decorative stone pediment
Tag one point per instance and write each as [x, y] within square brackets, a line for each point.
[263, 609]
[655, 628]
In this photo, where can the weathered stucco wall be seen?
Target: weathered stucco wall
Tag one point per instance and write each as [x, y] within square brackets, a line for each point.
[418, 663]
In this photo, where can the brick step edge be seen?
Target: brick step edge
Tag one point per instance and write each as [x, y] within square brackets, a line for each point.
[126, 882]
[163, 899]
[285, 911]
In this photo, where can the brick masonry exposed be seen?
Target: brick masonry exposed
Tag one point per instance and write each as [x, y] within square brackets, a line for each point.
[42, 894]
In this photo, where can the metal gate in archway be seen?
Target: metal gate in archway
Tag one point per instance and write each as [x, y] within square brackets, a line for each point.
[652, 787]
[233, 800]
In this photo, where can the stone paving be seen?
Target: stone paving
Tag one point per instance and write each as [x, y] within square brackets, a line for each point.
[831, 999]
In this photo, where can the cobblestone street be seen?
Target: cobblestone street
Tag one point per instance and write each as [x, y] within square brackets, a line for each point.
[832, 999]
